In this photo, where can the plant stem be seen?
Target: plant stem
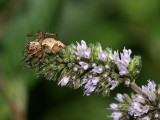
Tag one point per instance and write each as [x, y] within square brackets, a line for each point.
[136, 88]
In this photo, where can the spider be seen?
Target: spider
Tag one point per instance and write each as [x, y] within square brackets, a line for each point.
[42, 45]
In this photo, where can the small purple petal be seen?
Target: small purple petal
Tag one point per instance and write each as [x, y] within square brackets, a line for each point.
[103, 56]
[95, 80]
[64, 81]
[87, 53]
[98, 69]
[84, 65]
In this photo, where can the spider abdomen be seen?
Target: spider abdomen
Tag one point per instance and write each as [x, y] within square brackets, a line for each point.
[52, 45]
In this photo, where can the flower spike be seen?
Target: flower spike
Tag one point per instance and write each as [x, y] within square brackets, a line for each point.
[89, 67]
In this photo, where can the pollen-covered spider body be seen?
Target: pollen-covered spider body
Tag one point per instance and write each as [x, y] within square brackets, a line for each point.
[52, 45]
[42, 45]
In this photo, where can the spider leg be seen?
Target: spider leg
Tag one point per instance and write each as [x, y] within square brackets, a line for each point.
[40, 35]
[51, 34]
[31, 34]
[27, 42]
[26, 46]
[43, 54]
[43, 57]
[36, 59]
[27, 58]
[32, 53]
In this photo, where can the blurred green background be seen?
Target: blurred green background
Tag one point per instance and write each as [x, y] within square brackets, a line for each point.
[115, 24]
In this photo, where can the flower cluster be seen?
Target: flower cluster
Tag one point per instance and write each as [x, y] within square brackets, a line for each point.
[91, 68]
[145, 105]
[120, 109]
[123, 63]
[90, 84]
[97, 70]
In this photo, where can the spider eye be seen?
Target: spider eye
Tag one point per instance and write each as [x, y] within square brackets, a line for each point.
[60, 46]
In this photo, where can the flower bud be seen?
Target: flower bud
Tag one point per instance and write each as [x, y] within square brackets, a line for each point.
[135, 66]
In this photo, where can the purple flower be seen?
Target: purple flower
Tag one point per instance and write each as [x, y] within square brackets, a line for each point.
[116, 115]
[106, 66]
[74, 77]
[90, 76]
[138, 109]
[122, 69]
[98, 69]
[127, 83]
[149, 90]
[90, 85]
[84, 65]
[116, 57]
[94, 65]
[113, 84]
[75, 69]
[81, 47]
[120, 109]
[139, 98]
[156, 115]
[125, 57]
[151, 85]
[105, 75]
[64, 81]
[103, 56]
[123, 62]
[95, 80]
[114, 106]
[82, 50]
[87, 53]
[85, 80]
[89, 89]
[119, 97]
